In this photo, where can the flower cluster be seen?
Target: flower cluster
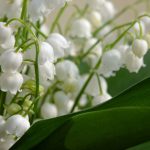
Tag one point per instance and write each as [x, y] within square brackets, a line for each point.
[12, 128]
[45, 73]
[10, 61]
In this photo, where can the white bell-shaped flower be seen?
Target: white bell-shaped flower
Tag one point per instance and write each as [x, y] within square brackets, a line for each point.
[17, 125]
[146, 21]
[14, 7]
[132, 62]
[10, 61]
[66, 69]
[138, 27]
[71, 85]
[123, 49]
[45, 29]
[59, 44]
[9, 43]
[94, 88]
[101, 99]
[61, 100]
[42, 10]
[70, 105]
[44, 7]
[48, 111]
[111, 61]
[11, 82]
[83, 101]
[7, 142]
[95, 18]
[5, 32]
[81, 28]
[140, 47]
[46, 53]
[47, 71]
[107, 10]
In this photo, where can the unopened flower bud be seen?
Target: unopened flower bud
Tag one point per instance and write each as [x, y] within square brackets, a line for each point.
[27, 104]
[95, 18]
[48, 110]
[31, 86]
[13, 108]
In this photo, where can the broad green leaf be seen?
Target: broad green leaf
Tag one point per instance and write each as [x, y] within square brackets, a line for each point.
[143, 146]
[138, 95]
[116, 129]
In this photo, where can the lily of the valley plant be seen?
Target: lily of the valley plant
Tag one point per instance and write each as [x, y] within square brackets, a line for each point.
[49, 70]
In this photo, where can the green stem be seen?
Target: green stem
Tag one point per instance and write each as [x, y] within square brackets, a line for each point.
[99, 84]
[34, 102]
[26, 47]
[77, 9]
[84, 10]
[38, 31]
[29, 60]
[60, 13]
[59, 28]
[141, 30]
[14, 98]
[21, 46]
[23, 23]
[24, 10]
[37, 75]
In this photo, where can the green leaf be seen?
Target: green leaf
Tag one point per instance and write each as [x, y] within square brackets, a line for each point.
[138, 96]
[143, 146]
[116, 129]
